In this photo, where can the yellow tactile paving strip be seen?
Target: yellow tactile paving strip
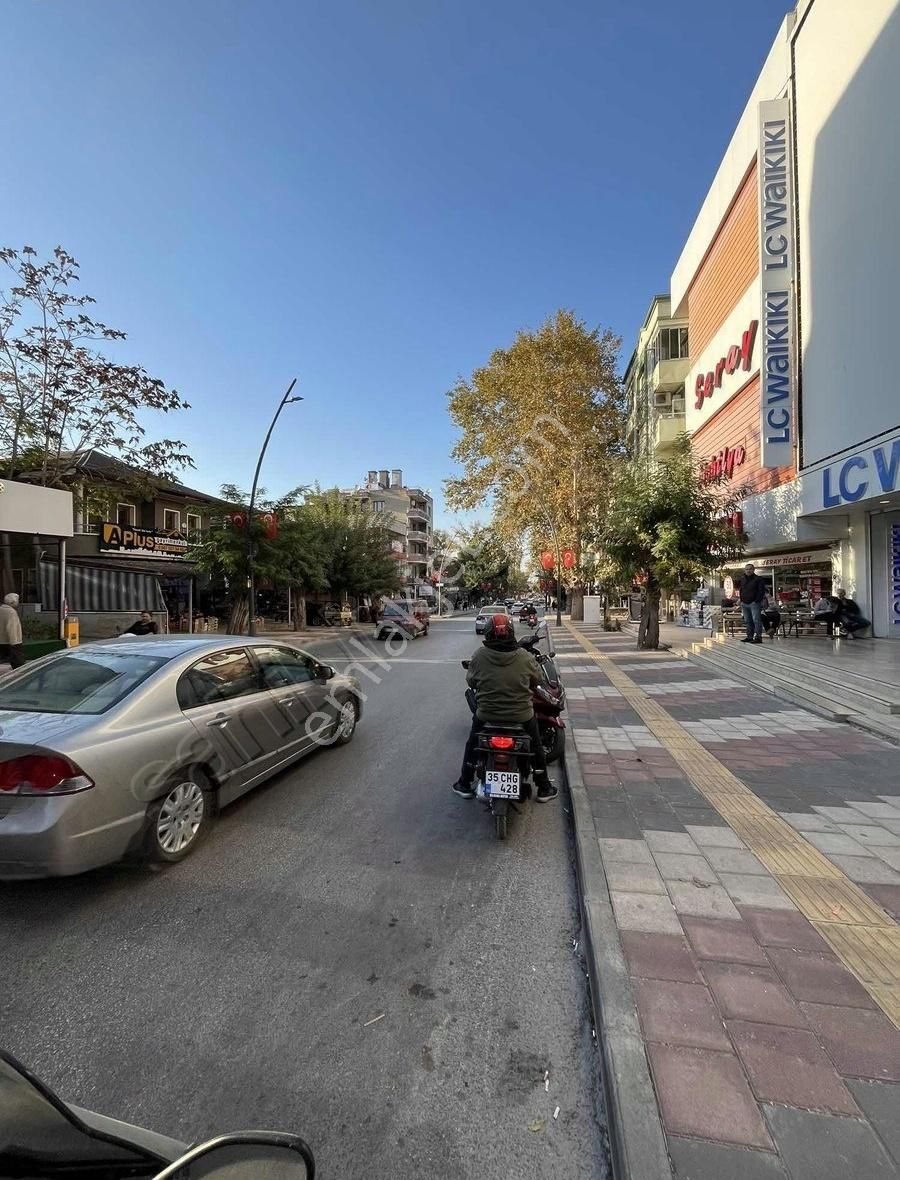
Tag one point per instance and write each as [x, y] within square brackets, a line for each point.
[861, 934]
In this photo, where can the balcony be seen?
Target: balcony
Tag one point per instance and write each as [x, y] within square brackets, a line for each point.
[417, 558]
[669, 376]
[418, 514]
[666, 429]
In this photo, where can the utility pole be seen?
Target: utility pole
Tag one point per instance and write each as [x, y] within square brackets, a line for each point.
[251, 549]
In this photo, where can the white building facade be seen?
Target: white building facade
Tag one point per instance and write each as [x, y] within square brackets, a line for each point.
[786, 282]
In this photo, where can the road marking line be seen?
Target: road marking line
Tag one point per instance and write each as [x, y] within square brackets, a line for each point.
[863, 936]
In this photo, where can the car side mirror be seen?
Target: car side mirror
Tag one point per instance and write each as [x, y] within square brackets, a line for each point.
[465, 663]
[326, 672]
[246, 1154]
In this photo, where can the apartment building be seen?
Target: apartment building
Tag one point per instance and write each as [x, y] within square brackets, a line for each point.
[408, 513]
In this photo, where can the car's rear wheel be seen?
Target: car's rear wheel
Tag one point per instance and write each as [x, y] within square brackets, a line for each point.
[178, 821]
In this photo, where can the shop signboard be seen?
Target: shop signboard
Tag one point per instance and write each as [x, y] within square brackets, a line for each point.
[727, 363]
[864, 475]
[776, 258]
[130, 541]
[783, 560]
[894, 564]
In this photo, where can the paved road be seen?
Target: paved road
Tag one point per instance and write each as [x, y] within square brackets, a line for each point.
[351, 955]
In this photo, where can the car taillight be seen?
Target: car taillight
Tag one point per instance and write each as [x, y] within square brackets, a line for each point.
[502, 743]
[42, 774]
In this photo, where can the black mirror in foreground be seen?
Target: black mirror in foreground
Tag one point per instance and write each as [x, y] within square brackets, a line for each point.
[245, 1155]
[465, 663]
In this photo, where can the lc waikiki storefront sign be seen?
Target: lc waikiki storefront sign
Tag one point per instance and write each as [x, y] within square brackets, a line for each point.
[776, 273]
[864, 475]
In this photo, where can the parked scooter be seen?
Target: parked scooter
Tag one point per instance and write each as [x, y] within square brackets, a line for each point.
[40, 1135]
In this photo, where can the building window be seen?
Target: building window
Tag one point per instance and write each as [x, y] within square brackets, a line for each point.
[672, 344]
[172, 519]
[126, 515]
[193, 524]
[377, 505]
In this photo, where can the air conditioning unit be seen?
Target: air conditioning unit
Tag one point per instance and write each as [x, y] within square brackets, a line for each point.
[662, 399]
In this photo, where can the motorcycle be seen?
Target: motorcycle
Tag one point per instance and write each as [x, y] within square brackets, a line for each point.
[549, 703]
[503, 767]
[41, 1135]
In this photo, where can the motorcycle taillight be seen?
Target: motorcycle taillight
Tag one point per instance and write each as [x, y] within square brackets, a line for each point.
[502, 743]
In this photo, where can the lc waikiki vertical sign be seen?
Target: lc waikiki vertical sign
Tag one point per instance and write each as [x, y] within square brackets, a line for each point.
[776, 267]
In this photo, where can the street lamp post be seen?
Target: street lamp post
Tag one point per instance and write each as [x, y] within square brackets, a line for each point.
[251, 552]
[558, 563]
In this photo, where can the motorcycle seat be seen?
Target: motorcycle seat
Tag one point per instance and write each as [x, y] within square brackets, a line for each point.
[503, 727]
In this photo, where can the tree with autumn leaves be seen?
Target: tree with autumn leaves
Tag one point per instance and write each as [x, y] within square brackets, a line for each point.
[540, 433]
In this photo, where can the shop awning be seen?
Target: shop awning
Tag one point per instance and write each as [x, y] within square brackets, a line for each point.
[102, 588]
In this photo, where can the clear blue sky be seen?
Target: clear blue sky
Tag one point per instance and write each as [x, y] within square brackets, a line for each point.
[369, 195]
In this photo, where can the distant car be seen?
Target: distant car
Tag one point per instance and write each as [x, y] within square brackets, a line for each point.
[515, 607]
[399, 619]
[131, 746]
[481, 619]
[420, 608]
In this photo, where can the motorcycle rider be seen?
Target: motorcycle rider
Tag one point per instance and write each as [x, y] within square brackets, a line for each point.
[504, 676]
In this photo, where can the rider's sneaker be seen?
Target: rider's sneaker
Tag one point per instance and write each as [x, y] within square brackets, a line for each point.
[463, 790]
[546, 792]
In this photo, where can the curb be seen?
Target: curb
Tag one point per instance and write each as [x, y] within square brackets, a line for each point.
[636, 1137]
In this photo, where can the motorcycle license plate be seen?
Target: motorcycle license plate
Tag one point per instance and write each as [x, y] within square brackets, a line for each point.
[502, 784]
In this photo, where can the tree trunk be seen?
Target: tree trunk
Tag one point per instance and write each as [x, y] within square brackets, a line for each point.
[237, 619]
[648, 631]
[605, 612]
[298, 608]
[576, 604]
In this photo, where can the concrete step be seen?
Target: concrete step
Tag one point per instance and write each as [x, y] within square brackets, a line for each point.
[797, 693]
[820, 665]
[858, 689]
[746, 661]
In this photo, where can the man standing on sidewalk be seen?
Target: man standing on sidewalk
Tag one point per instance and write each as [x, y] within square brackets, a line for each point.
[11, 632]
[753, 591]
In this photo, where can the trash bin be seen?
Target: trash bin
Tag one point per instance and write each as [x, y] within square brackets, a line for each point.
[71, 631]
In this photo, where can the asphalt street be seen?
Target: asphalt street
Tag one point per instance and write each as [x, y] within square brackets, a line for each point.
[351, 955]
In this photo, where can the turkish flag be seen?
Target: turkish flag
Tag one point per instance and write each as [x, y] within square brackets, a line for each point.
[547, 560]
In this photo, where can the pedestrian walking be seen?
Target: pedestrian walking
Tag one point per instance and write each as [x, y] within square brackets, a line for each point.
[753, 591]
[11, 648]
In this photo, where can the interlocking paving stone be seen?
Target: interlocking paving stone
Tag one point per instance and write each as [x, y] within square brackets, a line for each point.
[724, 941]
[705, 1094]
[748, 889]
[808, 821]
[680, 1014]
[880, 1102]
[752, 993]
[819, 978]
[721, 837]
[670, 842]
[788, 1065]
[867, 869]
[831, 842]
[659, 956]
[644, 911]
[734, 860]
[860, 1042]
[634, 878]
[702, 901]
[877, 810]
[696, 1160]
[823, 1147]
[635, 851]
[871, 835]
[887, 896]
[890, 856]
[782, 928]
[679, 866]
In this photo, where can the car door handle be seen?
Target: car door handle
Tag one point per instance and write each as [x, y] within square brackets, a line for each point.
[218, 722]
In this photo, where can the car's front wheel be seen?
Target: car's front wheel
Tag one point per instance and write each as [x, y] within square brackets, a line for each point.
[345, 726]
[178, 821]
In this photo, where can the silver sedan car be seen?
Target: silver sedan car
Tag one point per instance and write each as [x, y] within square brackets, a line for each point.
[129, 747]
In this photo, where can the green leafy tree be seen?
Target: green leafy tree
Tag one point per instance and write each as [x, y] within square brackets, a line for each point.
[541, 427]
[666, 528]
[355, 544]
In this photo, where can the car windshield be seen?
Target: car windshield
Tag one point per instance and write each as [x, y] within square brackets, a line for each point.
[78, 682]
[493, 610]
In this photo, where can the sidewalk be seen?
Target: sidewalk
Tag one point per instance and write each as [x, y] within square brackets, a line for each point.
[740, 870]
